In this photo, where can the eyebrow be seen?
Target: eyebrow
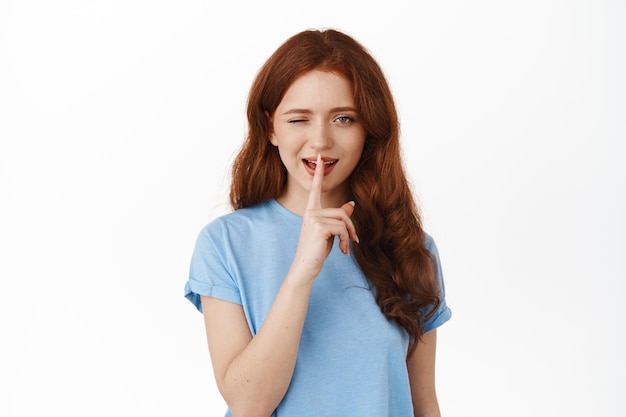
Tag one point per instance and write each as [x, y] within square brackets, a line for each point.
[308, 111]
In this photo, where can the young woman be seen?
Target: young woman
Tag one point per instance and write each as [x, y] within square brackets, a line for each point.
[321, 292]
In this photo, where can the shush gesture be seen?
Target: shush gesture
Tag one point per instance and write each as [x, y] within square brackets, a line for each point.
[319, 228]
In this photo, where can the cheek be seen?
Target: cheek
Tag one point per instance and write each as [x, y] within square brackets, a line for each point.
[288, 140]
[358, 146]
[286, 156]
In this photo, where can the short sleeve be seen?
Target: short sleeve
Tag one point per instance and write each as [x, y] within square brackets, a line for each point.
[443, 313]
[209, 273]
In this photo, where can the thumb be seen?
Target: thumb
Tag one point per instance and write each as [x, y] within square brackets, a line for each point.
[349, 208]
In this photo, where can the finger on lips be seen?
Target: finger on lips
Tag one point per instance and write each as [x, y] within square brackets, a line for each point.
[315, 195]
[315, 202]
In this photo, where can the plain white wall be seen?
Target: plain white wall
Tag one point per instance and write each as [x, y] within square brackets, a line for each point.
[118, 122]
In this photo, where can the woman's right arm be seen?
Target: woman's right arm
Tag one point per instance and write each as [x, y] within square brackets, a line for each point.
[253, 373]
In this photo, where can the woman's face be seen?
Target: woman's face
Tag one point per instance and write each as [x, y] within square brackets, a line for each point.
[317, 115]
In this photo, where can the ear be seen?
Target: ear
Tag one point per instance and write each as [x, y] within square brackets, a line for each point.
[272, 137]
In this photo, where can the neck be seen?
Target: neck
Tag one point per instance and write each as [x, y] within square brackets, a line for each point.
[296, 203]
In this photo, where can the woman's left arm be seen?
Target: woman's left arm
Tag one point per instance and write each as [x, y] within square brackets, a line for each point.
[421, 367]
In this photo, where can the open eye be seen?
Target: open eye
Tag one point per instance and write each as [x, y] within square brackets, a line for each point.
[344, 120]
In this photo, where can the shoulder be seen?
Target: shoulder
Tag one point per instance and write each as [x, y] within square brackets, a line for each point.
[238, 218]
[258, 220]
[430, 244]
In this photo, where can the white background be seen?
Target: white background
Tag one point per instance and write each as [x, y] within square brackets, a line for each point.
[119, 120]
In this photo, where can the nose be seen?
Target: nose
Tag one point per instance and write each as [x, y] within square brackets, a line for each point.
[321, 137]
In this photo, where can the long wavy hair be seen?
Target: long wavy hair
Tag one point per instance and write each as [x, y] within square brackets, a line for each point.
[391, 252]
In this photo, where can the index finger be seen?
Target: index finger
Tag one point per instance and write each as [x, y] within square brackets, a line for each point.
[315, 194]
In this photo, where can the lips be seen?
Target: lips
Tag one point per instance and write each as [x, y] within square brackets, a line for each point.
[311, 163]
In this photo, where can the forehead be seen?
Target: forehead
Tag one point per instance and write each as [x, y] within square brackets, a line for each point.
[319, 88]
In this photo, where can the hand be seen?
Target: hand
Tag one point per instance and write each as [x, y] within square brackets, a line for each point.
[320, 226]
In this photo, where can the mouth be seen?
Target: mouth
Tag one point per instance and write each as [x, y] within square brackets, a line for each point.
[311, 163]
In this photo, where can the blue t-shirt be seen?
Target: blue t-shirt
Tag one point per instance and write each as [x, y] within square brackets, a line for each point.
[351, 360]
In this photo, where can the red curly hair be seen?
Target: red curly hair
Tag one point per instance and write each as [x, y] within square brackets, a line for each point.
[392, 252]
